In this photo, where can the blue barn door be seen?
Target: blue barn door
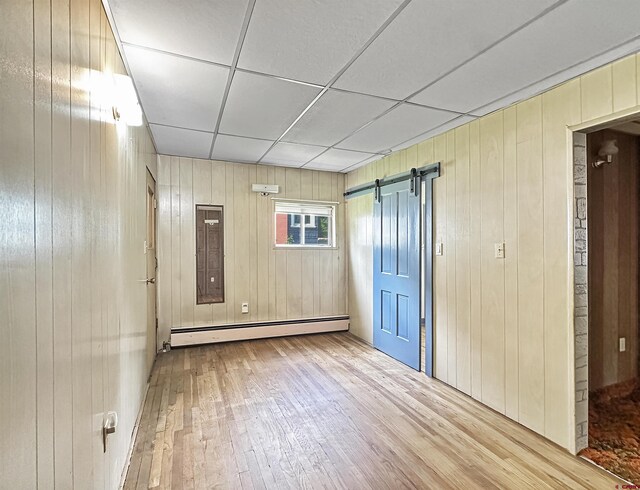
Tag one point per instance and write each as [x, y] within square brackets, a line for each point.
[396, 274]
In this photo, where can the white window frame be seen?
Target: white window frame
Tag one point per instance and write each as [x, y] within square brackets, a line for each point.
[313, 209]
[312, 220]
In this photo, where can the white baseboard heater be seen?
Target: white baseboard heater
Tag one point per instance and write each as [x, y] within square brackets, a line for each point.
[184, 336]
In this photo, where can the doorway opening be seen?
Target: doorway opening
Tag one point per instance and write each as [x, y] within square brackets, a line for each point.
[151, 269]
[607, 296]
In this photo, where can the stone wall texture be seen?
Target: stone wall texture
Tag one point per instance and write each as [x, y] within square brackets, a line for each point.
[581, 319]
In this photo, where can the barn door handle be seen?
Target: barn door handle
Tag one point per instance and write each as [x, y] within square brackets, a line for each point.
[151, 281]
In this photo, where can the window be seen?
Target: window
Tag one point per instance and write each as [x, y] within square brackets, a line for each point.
[209, 254]
[304, 224]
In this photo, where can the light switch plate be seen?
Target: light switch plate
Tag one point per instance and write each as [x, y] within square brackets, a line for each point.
[439, 248]
[245, 307]
[499, 248]
[623, 344]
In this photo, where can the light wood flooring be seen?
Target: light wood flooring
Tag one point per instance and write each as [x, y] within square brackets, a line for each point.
[329, 411]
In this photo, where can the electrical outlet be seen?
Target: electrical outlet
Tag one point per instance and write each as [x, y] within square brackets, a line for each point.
[439, 248]
[623, 344]
[499, 247]
[245, 307]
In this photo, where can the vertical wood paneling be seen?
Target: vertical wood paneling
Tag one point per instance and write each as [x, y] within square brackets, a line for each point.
[202, 194]
[18, 263]
[242, 236]
[560, 107]
[62, 198]
[440, 184]
[451, 163]
[597, 93]
[96, 287]
[72, 309]
[229, 245]
[253, 248]
[530, 264]
[263, 237]
[80, 252]
[475, 255]
[277, 284]
[43, 241]
[511, 239]
[175, 283]
[492, 269]
[164, 250]
[463, 291]
[187, 242]
[624, 83]
[272, 256]
[338, 261]
[521, 314]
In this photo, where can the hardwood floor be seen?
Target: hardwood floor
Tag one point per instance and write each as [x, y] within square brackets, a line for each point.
[328, 411]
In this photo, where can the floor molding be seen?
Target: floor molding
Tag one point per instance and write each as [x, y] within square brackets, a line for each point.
[182, 337]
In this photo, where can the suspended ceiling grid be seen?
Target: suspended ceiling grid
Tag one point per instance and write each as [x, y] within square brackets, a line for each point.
[334, 84]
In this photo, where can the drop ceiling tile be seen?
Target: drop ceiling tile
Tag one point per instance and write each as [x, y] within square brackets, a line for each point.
[362, 163]
[328, 33]
[292, 155]
[235, 148]
[202, 29]
[559, 77]
[263, 107]
[402, 123]
[181, 142]
[324, 167]
[334, 116]
[176, 91]
[532, 54]
[431, 37]
[454, 123]
[338, 159]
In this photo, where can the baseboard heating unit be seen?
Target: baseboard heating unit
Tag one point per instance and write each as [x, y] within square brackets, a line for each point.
[184, 336]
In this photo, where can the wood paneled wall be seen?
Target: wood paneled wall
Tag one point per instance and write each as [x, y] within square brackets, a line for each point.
[277, 284]
[613, 200]
[503, 328]
[72, 228]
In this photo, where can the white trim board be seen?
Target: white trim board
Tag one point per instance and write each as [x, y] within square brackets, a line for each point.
[217, 335]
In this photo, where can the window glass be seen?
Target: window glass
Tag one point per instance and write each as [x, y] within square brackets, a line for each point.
[304, 224]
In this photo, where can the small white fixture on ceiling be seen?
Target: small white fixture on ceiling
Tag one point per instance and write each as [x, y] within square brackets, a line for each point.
[265, 189]
[606, 153]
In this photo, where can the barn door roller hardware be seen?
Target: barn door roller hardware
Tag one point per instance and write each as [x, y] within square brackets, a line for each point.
[375, 186]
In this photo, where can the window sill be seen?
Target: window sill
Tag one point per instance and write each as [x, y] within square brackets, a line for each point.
[303, 247]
